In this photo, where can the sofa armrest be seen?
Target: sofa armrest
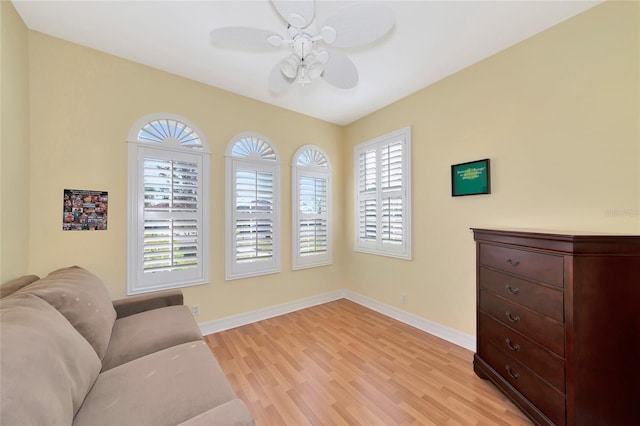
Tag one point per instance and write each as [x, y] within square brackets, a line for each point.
[14, 285]
[146, 302]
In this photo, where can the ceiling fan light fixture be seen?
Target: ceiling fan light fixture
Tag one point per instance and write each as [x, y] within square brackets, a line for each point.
[274, 40]
[328, 34]
[297, 20]
[289, 66]
[322, 56]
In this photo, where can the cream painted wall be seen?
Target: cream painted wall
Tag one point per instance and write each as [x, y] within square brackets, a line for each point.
[637, 12]
[557, 115]
[14, 144]
[83, 104]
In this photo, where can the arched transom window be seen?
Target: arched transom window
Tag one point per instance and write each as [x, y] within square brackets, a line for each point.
[253, 207]
[168, 204]
[169, 130]
[311, 204]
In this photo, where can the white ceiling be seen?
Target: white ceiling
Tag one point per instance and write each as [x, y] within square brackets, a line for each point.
[430, 40]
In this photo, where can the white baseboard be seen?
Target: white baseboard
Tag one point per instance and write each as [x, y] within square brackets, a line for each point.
[234, 321]
[449, 334]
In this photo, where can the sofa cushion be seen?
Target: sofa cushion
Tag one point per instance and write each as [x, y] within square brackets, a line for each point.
[14, 285]
[232, 413]
[147, 332]
[83, 299]
[47, 366]
[163, 388]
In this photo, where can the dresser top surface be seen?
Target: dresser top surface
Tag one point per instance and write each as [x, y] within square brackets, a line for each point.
[556, 233]
[563, 242]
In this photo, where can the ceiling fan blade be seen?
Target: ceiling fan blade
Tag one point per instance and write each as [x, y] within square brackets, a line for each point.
[340, 71]
[278, 82]
[358, 25]
[243, 37]
[298, 13]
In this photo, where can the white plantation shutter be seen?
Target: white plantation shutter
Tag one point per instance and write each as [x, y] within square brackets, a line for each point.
[368, 170]
[383, 195]
[311, 205]
[170, 215]
[368, 217]
[392, 214]
[253, 215]
[168, 205]
[368, 192]
[312, 222]
[312, 234]
[253, 218]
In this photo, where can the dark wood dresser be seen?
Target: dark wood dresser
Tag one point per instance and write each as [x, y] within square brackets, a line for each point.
[558, 324]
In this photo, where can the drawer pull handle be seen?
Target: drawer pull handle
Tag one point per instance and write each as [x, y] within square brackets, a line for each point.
[515, 347]
[512, 290]
[511, 373]
[512, 318]
[513, 262]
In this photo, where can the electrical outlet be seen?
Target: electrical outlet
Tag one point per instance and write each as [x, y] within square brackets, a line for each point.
[403, 298]
[195, 310]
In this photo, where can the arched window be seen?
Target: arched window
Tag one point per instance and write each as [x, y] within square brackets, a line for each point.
[168, 238]
[253, 207]
[311, 204]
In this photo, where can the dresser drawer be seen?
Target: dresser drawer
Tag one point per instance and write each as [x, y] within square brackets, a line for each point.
[543, 267]
[538, 359]
[541, 329]
[545, 397]
[545, 300]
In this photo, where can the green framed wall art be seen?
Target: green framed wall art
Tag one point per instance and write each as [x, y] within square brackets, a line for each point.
[471, 178]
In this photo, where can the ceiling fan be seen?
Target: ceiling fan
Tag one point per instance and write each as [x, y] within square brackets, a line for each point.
[309, 56]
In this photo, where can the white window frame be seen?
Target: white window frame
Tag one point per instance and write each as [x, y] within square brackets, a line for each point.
[188, 144]
[251, 161]
[316, 165]
[378, 245]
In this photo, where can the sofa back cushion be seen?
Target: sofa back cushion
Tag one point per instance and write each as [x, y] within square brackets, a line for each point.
[47, 366]
[83, 299]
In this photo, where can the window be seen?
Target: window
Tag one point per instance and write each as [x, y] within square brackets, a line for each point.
[311, 203]
[382, 176]
[168, 215]
[253, 207]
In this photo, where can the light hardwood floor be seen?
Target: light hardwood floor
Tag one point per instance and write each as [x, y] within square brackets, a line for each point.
[341, 363]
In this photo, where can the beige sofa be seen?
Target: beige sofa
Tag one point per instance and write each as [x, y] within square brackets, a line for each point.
[71, 356]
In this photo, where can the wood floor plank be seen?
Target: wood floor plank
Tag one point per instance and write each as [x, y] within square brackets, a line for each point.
[343, 364]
